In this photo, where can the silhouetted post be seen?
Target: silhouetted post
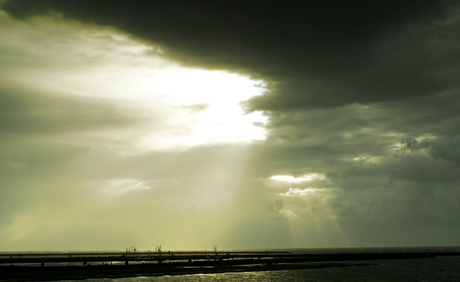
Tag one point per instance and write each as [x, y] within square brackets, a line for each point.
[159, 252]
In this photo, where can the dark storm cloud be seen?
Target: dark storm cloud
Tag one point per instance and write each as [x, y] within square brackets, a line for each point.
[411, 168]
[328, 136]
[312, 53]
[447, 149]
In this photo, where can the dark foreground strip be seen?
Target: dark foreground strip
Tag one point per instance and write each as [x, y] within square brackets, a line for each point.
[52, 273]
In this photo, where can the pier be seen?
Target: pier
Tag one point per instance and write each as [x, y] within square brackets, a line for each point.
[127, 257]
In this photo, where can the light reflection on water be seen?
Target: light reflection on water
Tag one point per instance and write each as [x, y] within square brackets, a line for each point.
[436, 269]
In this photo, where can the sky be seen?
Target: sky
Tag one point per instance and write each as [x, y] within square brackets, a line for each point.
[236, 124]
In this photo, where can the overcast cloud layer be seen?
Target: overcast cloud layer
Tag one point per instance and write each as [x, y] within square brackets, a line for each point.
[241, 124]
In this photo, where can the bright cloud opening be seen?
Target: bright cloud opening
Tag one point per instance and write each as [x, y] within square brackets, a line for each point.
[177, 106]
[300, 179]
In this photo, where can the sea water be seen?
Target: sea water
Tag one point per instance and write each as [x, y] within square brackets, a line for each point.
[442, 268]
